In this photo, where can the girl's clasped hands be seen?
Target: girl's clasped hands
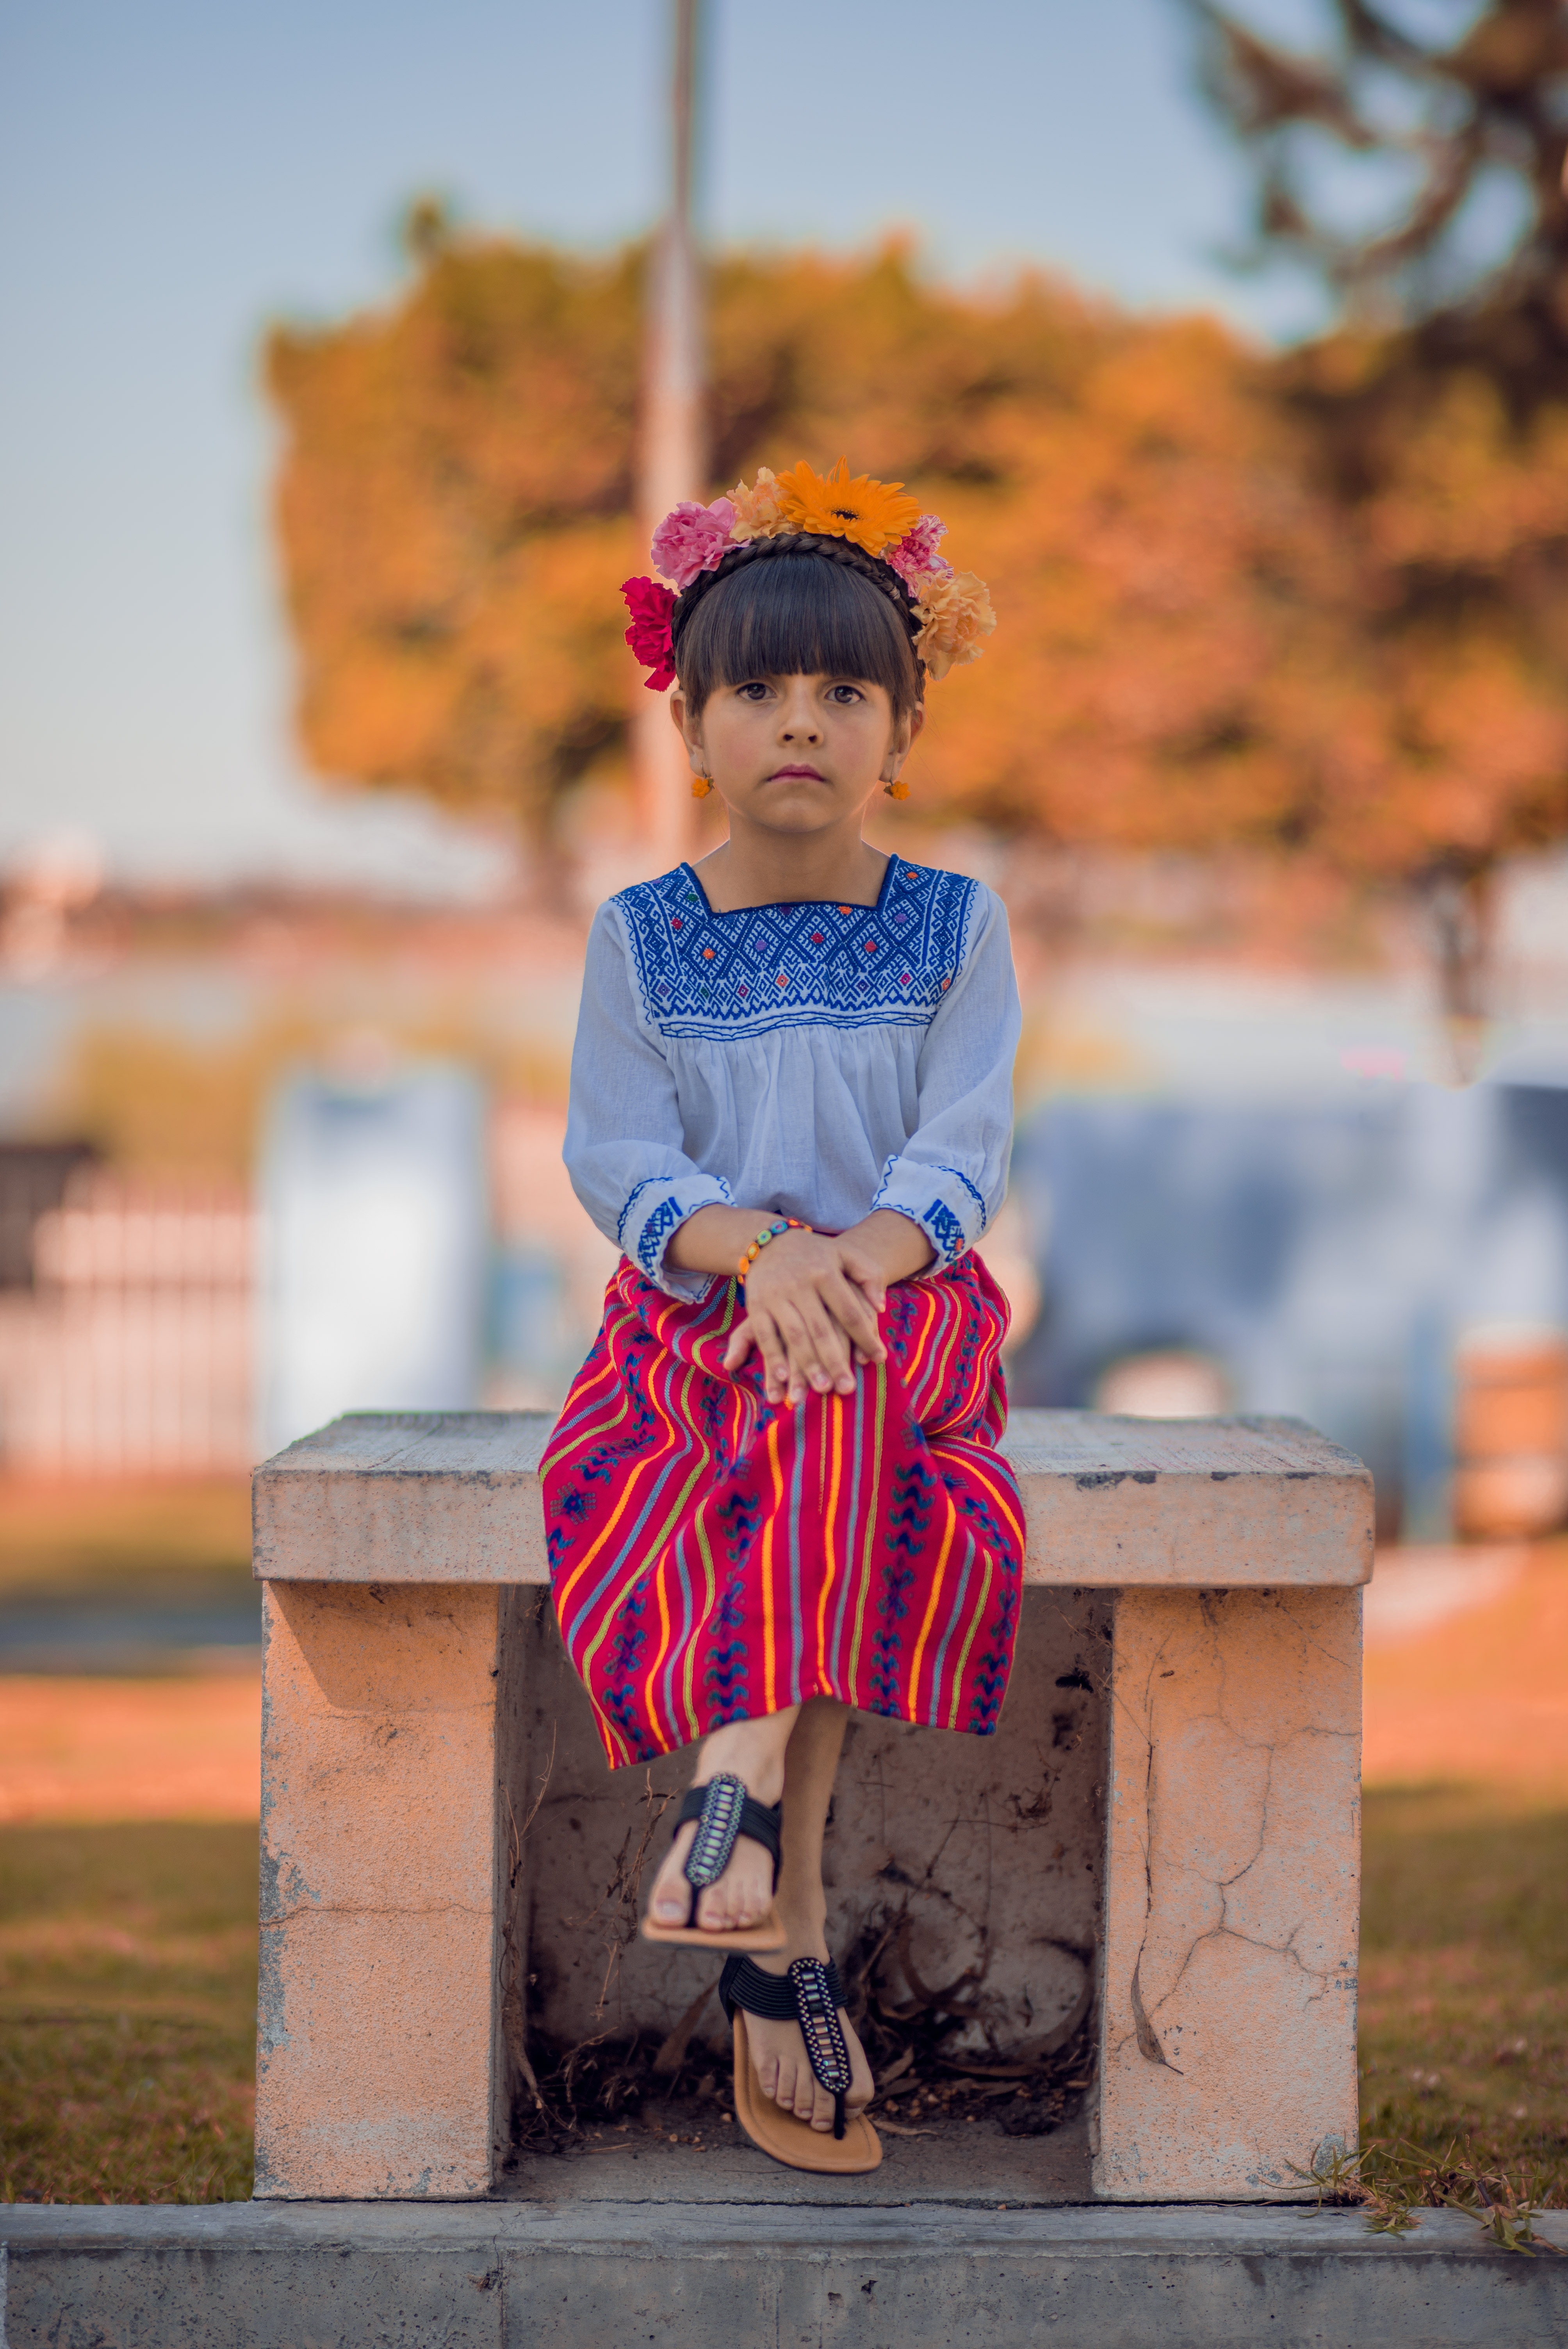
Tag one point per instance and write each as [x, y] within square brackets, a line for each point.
[812, 1308]
[812, 1299]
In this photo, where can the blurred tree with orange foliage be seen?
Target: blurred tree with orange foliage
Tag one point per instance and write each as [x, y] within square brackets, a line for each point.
[454, 501]
[1437, 416]
[1215, 631]
[453, 515]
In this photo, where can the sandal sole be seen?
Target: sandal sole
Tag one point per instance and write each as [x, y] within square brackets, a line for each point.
[794, 2142]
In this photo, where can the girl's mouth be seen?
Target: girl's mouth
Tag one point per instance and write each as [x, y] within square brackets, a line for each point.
[783, 774]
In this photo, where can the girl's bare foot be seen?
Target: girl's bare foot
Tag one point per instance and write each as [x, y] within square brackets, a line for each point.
[778, 2051]
[754, 1752]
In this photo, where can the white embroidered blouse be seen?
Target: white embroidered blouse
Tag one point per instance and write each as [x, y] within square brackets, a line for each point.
[810, 1060]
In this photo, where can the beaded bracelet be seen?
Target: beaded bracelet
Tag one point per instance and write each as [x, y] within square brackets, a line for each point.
[786, 1223]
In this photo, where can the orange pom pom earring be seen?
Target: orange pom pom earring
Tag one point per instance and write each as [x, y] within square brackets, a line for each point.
[701, 785]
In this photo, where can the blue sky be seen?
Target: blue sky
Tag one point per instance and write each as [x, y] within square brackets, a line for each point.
[173, 175]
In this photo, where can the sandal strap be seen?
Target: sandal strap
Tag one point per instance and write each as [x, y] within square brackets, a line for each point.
[817, 1995]
[811, 1994]
[725, 1812]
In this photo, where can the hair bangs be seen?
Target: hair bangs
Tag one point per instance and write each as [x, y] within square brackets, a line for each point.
[797, 616]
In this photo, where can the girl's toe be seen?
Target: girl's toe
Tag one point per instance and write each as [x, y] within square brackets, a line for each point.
[666, 1905]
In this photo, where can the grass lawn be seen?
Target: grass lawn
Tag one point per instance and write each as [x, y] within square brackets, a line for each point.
[148, 1543]
[127, 1988]
[128, 1991]
[1464, 1984]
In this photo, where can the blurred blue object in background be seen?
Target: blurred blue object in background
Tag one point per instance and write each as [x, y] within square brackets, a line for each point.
[535, 1340]
[1327, 1260]
[376, 1247]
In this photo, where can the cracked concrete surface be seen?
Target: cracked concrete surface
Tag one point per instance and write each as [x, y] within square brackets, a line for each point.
[1232, 1892]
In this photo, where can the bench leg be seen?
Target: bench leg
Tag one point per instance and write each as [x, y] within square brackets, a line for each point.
[381, 2070]
[1232, 1893]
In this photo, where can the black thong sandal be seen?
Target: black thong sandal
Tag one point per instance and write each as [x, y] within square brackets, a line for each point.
[811, 1994]
[724, 1812]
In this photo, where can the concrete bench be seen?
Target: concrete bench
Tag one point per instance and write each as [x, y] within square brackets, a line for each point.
[1168, 1819]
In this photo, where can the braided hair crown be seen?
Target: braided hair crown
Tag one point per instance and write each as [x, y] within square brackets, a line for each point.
[801, 543]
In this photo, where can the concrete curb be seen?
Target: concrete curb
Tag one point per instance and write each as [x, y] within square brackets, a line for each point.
[610, 2275]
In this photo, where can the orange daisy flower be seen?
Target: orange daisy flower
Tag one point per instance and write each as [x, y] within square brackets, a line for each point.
[872, 515]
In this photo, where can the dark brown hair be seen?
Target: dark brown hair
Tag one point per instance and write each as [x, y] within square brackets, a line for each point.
[802, 612]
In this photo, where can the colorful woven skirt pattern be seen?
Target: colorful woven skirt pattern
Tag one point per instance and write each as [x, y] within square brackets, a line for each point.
[715, 1559]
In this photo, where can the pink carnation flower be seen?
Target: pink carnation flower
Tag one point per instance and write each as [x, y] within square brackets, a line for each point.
[650, 604]
[693, 539]
[915, 557]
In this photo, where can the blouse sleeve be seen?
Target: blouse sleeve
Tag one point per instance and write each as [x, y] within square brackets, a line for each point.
[950, 1176]
[623, 1133]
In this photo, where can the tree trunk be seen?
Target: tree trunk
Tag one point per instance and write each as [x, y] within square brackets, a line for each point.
[1458, 903]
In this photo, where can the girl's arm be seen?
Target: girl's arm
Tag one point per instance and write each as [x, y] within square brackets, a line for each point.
[623, 1137]
[811, 1301]
[951, 1176]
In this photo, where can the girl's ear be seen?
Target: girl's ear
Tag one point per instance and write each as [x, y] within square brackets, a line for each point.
[902, 742]
[690, 730]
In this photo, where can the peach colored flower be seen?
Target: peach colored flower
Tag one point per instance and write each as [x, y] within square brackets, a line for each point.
[955, 614]
[759, 510]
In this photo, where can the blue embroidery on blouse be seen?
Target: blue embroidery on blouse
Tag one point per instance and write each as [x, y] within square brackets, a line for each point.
[663, 1219]
[810, 965]
[881, 1199]
[959, 1176]
[631, 1196]
[636, 1192]
[945, 1229]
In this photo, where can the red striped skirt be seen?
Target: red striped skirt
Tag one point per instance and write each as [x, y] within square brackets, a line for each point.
[714, 1559]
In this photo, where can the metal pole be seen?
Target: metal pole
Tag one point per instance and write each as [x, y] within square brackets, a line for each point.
[673, 459]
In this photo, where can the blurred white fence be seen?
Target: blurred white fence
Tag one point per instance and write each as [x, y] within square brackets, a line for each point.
[133, 1354]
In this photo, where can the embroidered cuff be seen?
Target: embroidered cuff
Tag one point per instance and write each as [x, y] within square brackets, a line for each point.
[942, 1200]
[655, 1209]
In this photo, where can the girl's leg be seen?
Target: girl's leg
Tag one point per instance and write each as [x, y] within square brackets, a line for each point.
[777, 2050]
[754, 1752]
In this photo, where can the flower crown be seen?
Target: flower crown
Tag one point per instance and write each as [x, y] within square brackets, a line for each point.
[947, 611]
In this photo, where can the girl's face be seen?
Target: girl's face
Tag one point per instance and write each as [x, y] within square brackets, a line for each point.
[797, 754]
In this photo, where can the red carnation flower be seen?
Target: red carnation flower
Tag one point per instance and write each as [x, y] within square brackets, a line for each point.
[651, 604]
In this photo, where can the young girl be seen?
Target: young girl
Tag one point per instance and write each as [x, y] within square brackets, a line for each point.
[774, 1492]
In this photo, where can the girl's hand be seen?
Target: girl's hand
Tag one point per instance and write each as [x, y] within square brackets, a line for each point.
[812, 1315]
[811, 1307]
[811, 1301]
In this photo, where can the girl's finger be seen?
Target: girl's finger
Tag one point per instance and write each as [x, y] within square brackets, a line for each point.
[851, 1310]
[873, 1288]
[806, 1368]
[829, 1365]
[775, 1361]
[742, 1338]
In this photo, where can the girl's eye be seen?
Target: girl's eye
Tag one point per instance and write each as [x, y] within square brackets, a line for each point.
[754, 690]
[845, 694]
